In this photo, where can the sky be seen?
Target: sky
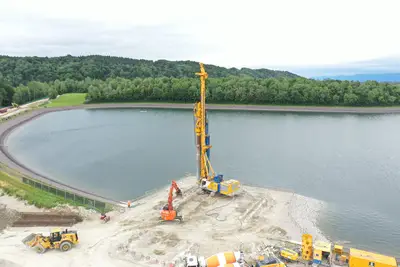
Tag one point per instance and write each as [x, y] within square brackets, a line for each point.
[309, 37]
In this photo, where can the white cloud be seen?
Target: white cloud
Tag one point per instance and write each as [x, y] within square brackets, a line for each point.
[229, 33]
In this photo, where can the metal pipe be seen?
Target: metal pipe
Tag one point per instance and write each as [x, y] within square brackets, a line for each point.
[198, 153]
[197, 145]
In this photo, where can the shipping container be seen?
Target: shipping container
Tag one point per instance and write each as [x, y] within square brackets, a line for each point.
[360, 258]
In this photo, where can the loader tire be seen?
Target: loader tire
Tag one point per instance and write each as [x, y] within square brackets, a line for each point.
[65, 246]
[39, 249]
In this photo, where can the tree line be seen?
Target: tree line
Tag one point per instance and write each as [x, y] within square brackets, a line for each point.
[241, 90]
[109, 79]
[21, 70]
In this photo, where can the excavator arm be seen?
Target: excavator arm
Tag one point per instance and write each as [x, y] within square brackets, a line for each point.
[177, 189]
[171, 191]
[168, 213]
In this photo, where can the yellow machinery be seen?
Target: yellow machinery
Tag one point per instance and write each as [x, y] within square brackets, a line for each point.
[339, 255]
[206, 176]
[269, 262]
[322, 251]
[360, 258]
[306, 247]
[289, 254]
[338, 249]
[62, 240]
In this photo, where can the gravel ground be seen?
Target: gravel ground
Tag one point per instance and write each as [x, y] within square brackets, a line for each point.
[7, 216]
[136, 237]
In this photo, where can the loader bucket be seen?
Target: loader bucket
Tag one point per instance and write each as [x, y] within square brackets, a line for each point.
[29, 239]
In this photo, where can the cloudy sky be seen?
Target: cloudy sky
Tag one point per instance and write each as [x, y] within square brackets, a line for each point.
[310, 37]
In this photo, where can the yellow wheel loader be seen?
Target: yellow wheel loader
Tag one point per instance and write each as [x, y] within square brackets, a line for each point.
[58, 239]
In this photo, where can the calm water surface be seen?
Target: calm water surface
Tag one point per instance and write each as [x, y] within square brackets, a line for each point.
[352, 162]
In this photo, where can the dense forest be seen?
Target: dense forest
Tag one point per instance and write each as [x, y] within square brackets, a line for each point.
[277, 91]
[21, 70]
[181, 85]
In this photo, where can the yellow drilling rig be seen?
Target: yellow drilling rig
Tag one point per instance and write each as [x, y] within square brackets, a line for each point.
[206, 177]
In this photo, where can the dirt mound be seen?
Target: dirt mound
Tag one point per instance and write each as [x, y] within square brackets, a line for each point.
[7, 216]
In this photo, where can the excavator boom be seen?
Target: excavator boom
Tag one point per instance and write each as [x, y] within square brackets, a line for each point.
[167, 212]
[178, 193]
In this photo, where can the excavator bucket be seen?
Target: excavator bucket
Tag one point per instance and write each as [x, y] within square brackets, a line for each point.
[29, 240]
[175, 186]
[179, 193]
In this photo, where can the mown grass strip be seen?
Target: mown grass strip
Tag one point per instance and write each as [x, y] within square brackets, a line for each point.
[65, 100]
[14, 187]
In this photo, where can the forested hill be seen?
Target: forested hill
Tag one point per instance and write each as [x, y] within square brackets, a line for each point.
[21, 70]
[111, 79]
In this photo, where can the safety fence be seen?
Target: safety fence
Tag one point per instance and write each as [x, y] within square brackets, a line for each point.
[75, 198]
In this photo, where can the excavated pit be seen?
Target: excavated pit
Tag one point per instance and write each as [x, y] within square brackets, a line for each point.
[34, 219]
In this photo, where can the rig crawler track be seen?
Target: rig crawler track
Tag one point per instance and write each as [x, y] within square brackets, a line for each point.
[46, 219]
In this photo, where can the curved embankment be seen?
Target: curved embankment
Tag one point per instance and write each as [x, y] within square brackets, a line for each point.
[305, 109]
[5, 157]
[7, 127]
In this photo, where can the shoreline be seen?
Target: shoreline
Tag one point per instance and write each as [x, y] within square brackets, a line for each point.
[7, 127]
[296, 222]
[241, 107]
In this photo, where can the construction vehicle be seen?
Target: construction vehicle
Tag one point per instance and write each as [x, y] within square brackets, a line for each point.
[269, 262]
[62, 240]
[206, 177]
[289, 255]
[223, 259]
[104, 217]
[361, 258]
[167, 212]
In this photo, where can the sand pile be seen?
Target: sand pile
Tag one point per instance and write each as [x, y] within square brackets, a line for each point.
[136, 237]
[7, 216]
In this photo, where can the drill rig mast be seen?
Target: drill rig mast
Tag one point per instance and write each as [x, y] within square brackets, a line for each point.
[206, 176]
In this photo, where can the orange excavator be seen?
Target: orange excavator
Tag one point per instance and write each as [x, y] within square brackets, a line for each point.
[167, 212]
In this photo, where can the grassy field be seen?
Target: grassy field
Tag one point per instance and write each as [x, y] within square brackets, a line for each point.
[41, 199]
[67, 100]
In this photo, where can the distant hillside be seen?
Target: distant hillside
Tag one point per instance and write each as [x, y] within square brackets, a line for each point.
[383, 77]
[20, 70]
